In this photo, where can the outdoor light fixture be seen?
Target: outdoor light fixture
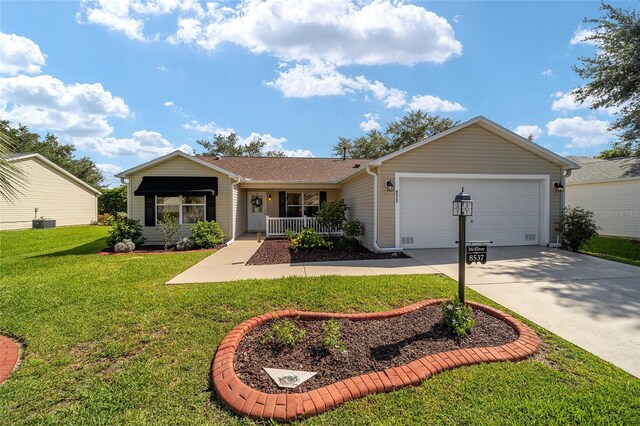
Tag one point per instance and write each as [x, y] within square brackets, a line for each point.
[462, 204]
[389, 185]
[559, 187]
[269, 196]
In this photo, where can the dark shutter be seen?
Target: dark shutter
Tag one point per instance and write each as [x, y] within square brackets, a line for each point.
[323, 197]
[282, 200]
[149, 210]
[210, 208]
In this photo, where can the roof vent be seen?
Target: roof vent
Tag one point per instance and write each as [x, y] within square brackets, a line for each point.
[355, 166]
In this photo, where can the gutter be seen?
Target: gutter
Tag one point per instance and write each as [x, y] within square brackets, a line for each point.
[376, 247]
[563, 178]
[126, 181]
[232, 219]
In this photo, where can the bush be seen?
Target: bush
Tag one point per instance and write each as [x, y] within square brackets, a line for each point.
[458, 317]
[207, 234]
[168, 227]
[308, 239]
[185, 244]
[125, 229]
[113, 200]
[125, 246]
[353, 228]
[576, 227]
[284, 332]
[332, 214]
[331, 337]
[289, 234]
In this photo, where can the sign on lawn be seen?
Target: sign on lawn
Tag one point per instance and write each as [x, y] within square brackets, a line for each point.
[476, 254]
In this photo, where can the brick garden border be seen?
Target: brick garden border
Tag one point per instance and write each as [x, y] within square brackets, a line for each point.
[282, 407]
[9, 354]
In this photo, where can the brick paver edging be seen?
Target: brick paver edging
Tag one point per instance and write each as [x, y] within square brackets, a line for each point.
[286, 407]
[9, 353]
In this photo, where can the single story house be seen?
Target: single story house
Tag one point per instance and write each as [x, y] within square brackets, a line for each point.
[50, 192]
[404, 199]
[611, 190]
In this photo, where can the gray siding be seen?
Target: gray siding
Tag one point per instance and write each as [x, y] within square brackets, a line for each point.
[357, 192]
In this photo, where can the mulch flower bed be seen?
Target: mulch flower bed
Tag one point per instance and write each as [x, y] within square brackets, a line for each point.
[370, 346]
[157, 249]
[273, 252]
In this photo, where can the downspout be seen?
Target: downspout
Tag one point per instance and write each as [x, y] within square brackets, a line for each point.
[232, 221]
[563, 179]
[375, 216]
[127, 182]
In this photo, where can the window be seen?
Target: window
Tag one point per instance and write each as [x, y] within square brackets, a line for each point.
[302, 204]
[187, 209]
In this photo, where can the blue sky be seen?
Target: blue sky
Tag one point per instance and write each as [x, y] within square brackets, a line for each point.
[127, 81]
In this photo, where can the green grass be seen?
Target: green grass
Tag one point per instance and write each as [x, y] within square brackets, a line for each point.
[106, 342]
[611, 248]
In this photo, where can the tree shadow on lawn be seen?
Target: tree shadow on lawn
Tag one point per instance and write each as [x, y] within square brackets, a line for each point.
[92, 247]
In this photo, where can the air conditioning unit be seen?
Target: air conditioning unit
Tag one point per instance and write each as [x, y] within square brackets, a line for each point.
[43, 223]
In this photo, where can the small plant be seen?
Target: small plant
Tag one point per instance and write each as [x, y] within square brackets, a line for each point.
[185, 244]
[125, 229]
[332, 337]
[207, 234]
[308, 239]
[458, 317]
[125, 246]
[285, 333]
[576, 227]
[332, 214]
[289, 234]
[168, 227]
[353, 228]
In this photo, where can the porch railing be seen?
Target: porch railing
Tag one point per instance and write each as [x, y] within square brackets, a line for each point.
[276, 226]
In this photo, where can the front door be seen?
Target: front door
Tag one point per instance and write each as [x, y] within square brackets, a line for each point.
[257, 215]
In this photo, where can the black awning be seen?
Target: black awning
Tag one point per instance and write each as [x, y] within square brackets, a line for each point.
[177, 185]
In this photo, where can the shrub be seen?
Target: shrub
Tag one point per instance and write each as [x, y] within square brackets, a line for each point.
[284, 332]
[332, 214]
[113, 200]
[125, 246]
[576, 227]
[308, 239]
[289, 234]
[168, 227]
[353, 228]
[331, 337]
[458, 317]
[207, 234]
[125, 229]
[185, 244]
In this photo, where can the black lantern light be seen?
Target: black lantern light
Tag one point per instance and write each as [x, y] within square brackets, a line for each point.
[462, 204]
[462, 207]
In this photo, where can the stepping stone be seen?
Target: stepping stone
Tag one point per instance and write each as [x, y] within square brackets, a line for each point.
[289, 378]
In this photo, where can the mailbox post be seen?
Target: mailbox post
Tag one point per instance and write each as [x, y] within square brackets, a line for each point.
[462, 207]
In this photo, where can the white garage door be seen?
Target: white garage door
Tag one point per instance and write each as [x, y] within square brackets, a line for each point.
[506, 212]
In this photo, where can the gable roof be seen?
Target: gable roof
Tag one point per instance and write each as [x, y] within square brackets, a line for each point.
[600, 170]
[289, 169]
[55, 167]
[125, 173]
[494, 128]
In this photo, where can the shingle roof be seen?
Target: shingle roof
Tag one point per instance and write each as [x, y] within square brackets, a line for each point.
[596, 169]
[289, 169]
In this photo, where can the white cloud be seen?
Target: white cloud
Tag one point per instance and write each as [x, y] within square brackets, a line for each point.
[168, 104]
[336, 31]
[162, 68]
[547, 73]
[109, 171]
[457, 19]
[370, 123]
[274, 144]
[209, 127]
[143, 143]
[583, 133]
[47, 103]
[19, 54]
[580, 35]
[430, 103]
[567, 102]
[526, 130]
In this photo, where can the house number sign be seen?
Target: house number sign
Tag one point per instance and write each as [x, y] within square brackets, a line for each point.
[476, 254]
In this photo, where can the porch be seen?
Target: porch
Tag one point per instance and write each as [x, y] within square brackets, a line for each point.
[277, 226]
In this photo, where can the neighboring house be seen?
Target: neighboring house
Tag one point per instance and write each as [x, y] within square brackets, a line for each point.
[54, 192]
[611, 190]
[404, 199]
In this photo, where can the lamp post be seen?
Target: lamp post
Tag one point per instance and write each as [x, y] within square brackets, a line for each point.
[462, 207]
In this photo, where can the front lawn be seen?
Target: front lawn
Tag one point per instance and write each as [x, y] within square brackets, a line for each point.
[106, 342]
[616, 249]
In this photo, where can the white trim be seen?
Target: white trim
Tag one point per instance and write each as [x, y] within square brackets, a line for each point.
[495, 128]
[56, 168]
[544, 194]
[232, 210]
[376, 247]
[587, 182]
[171, 155]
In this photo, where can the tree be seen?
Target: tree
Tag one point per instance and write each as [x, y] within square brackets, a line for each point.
[228, 146]
[614, 72]
[12, 178]
[113, 200]
[61, 154]
[616, 152]
[576, 227]
[412, 128]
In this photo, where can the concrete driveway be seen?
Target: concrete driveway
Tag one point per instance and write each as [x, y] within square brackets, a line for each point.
[591, 302]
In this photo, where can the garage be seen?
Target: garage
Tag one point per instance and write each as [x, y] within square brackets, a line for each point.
[508, 210]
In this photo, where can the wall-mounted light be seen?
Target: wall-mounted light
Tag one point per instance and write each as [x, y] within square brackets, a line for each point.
[389, 184]
[559, 187]
[269, 197]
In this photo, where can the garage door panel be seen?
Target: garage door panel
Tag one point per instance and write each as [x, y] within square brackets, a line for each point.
[505, 211]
